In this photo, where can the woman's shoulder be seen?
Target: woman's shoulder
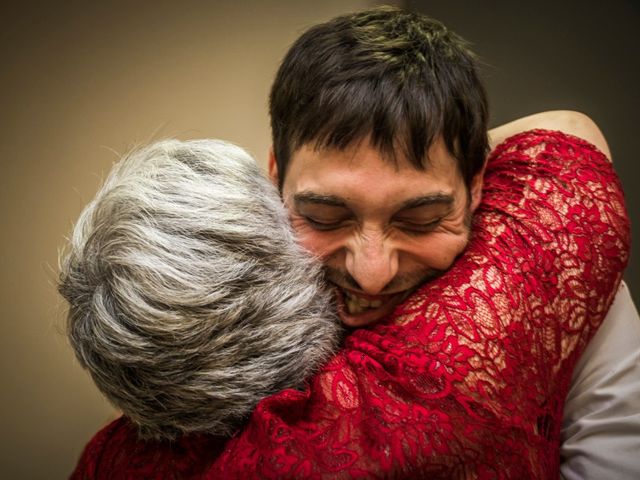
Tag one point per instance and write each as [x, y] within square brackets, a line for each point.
[117, 451]
[88, 465]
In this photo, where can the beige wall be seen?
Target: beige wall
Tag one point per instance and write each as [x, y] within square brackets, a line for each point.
[78, 85]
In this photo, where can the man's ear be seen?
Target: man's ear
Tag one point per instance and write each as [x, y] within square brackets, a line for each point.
[273, 167]
[476, 188]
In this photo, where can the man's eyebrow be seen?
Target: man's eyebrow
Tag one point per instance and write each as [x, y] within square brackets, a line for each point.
[302, 198]
[428, 200]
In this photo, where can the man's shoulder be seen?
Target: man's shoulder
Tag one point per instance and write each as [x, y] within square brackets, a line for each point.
[566, 121]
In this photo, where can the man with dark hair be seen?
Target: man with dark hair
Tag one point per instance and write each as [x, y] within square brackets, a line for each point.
[379, 124]
[477, 303]
[356, 96]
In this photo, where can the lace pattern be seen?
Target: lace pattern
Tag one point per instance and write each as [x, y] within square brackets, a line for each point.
[468, 377]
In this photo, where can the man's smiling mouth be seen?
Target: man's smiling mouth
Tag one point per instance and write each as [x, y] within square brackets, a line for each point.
[356, 304]
[358, 309]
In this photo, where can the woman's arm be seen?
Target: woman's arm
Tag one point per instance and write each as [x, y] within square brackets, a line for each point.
[596, 443]
[567, 121]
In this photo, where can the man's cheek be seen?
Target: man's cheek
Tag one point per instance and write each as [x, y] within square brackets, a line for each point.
[321, 245]
[451, 251]
[440, 251]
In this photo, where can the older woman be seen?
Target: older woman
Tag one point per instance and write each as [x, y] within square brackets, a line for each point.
[189, 298]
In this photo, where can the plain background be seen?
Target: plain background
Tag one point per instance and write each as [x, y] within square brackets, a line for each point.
[82, 83]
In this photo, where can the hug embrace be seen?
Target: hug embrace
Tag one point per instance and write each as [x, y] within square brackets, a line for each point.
[406, 296]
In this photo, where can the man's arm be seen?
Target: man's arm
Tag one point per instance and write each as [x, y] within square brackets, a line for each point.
[601, 428]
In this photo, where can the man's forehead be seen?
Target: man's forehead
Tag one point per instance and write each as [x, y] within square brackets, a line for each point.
[360, 177]
[362, 152]
[437, 198]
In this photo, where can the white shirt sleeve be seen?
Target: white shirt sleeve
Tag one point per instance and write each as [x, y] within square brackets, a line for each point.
[601, 425]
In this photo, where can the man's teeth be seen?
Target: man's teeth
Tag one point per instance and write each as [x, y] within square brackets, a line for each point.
[357, 305]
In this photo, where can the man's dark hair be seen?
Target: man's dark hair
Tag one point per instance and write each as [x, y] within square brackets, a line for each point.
[399, 77]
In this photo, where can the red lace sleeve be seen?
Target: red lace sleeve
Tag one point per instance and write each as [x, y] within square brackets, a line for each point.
[468, 377]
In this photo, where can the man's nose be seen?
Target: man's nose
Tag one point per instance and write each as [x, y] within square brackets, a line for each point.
[373, 263]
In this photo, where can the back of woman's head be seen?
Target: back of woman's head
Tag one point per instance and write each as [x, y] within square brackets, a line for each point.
[189, 299]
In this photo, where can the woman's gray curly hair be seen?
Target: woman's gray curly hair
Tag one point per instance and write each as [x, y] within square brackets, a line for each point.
[189, 299]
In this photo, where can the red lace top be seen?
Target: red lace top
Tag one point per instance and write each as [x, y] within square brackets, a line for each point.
[468, 377]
